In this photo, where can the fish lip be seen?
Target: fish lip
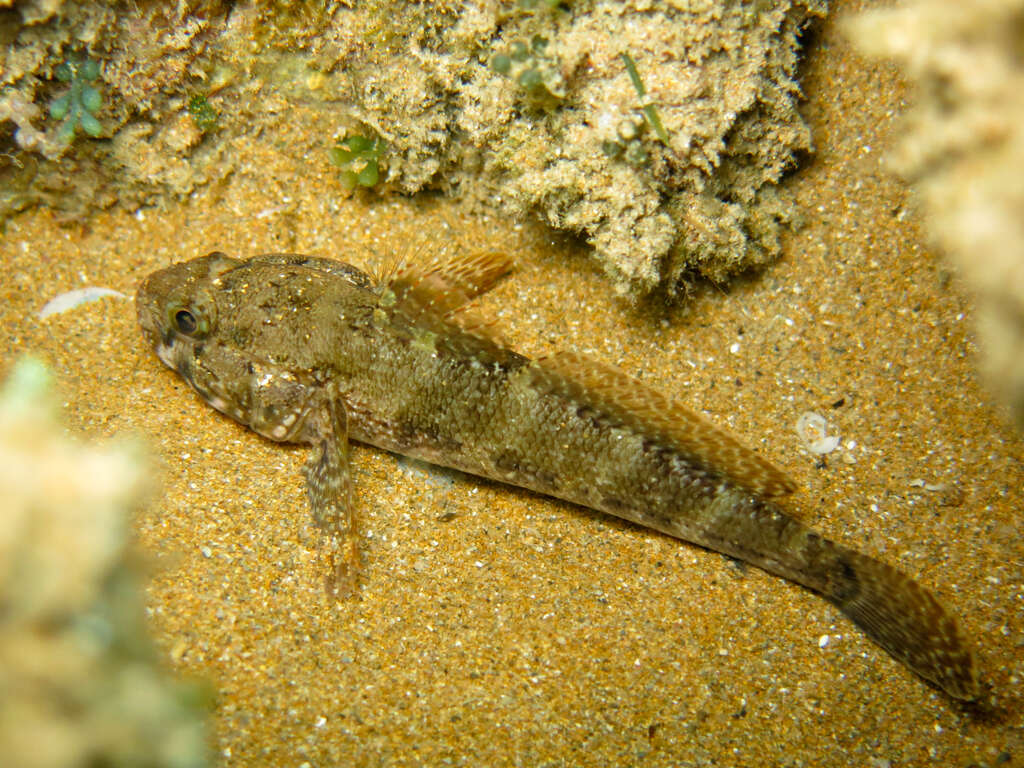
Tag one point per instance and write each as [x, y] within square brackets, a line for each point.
[165, 352]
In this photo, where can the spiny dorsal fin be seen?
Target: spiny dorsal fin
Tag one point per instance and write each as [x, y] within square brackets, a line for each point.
[442, 286]
[431, 303]
[648, 411]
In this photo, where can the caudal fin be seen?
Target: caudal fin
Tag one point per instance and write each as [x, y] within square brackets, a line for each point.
[906, 620]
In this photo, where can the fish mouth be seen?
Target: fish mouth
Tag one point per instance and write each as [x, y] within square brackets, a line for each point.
[163, 340]
[177, 357]
[165, 352]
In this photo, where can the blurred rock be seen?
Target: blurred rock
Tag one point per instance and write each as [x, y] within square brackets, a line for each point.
[963, 151]
[79, 679]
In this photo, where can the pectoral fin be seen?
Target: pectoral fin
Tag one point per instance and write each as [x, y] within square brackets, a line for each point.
[329, 485]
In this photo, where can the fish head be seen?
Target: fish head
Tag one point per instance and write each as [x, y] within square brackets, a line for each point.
[175, 308]
[178, 313]
[257, 339]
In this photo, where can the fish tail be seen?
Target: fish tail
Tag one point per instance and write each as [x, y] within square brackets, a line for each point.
[902, 617]
[886, 604]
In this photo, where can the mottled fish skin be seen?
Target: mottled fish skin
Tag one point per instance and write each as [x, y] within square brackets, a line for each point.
[315, 351]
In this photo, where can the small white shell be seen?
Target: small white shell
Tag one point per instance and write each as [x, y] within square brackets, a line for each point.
[813, 431]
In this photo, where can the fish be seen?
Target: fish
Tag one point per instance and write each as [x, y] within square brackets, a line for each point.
[314, 351]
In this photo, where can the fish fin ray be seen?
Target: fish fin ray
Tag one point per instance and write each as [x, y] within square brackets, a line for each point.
[907, 621]
[329, 486]
[444, 285]
[430, 303]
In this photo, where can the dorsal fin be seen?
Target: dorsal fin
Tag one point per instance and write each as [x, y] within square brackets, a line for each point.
[444, 286]
[648, 411]
[430, 302]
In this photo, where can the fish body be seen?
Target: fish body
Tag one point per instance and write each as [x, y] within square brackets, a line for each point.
[315, 351]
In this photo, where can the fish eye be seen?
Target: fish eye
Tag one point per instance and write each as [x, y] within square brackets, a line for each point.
[191, 321]
[185, 322]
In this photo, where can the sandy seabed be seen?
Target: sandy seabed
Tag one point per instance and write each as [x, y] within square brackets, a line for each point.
[498, 627]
